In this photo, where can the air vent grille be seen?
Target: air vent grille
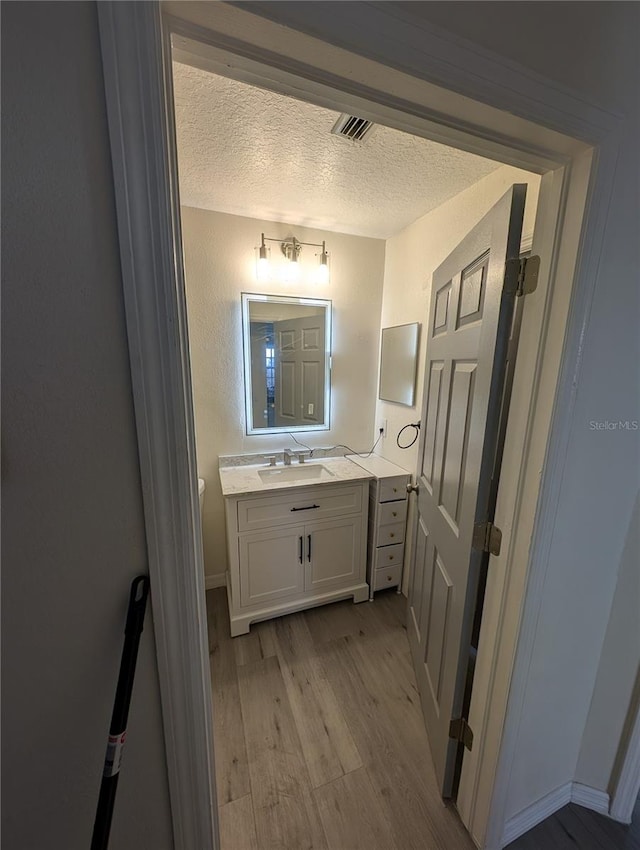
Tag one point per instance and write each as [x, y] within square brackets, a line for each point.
[351, 127]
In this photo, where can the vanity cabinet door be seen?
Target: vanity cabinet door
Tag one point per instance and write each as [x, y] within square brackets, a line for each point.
[334, 553]
[271, 565]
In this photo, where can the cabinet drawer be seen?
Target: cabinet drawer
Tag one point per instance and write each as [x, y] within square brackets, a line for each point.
[303, 506]
[388, 556]
[392, 512]
[389, 534]
[387, 577]
[391, 489]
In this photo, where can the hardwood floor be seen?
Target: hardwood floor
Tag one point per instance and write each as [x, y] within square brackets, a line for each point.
[320, 742]
[575, 828]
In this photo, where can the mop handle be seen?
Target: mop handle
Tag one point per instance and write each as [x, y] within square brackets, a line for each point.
[118, 727]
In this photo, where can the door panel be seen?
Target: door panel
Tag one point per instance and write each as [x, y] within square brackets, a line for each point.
[440, 598]
[286, 392]
[417, 593]
[271, 565]
[431, 422]
[464, 378]
[312, 399]
[456, 440]
[333, 553]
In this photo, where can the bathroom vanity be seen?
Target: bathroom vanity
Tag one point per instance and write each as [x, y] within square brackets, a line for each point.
[296, 537]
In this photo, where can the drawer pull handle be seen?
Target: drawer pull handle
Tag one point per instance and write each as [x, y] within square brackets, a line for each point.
[308, 508]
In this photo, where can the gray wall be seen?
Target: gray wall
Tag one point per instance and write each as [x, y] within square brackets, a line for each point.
[71, 503]
[619, 666]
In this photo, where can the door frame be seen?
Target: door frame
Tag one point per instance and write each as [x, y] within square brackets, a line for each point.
[424, 81]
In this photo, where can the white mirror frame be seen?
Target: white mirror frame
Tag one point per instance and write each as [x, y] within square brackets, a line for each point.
[246, 299]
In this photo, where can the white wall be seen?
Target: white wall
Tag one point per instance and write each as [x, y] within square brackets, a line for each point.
[600, 475]
[73, 531]
[219, 251]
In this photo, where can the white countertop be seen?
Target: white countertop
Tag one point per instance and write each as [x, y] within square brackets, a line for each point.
[379, 467]
[245, 480]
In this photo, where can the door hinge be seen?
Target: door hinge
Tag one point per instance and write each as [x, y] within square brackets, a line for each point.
[487, 537]
[521, 275]
[460, 731]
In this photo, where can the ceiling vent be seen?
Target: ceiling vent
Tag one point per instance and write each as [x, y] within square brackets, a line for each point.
[350, 127]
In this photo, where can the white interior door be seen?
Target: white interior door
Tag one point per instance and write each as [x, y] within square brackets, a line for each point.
[469, 327]
[300, 370]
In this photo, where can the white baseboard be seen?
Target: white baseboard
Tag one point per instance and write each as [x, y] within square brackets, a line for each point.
[570, 792]
[536, 813]
[216, 580]
[590, 798]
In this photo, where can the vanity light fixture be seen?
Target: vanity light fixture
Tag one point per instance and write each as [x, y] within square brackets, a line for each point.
[291, 248]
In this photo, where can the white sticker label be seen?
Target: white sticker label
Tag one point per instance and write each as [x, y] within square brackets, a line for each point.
[113, 758]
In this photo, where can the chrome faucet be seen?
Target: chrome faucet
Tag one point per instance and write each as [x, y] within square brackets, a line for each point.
[287, 454]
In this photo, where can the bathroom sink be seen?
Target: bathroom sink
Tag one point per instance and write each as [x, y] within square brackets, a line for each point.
[302, 472]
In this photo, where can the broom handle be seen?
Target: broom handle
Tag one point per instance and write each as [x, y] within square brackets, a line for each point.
[118, 727]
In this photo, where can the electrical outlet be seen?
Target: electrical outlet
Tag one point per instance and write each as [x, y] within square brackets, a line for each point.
[382, 426]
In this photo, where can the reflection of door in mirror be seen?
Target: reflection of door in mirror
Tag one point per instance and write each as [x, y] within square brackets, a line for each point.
[299, 366]
[286, 362]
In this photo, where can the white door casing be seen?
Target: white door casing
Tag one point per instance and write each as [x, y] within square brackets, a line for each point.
[472, 303]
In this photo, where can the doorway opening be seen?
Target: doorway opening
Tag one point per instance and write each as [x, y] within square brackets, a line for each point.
[254, 160]
[135, 46]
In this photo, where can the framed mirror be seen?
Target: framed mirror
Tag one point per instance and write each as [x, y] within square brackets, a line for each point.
[287, 347]
[398, 363]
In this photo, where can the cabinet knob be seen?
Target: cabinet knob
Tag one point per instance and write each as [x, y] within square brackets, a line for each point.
[392, 534]
[391, 557]
[395, 489]
[389, 578]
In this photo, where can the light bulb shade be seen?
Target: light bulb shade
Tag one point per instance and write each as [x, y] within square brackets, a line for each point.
[262, 269]
[322, 272]
[263, 266]
[292, 271]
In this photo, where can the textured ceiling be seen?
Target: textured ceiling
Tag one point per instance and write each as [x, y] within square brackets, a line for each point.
[252, 152]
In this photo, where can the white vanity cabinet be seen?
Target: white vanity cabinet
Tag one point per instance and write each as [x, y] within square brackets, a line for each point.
[387, 522]
[292, 549]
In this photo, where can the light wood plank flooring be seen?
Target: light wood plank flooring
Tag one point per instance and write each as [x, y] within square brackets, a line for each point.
[320, 742]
